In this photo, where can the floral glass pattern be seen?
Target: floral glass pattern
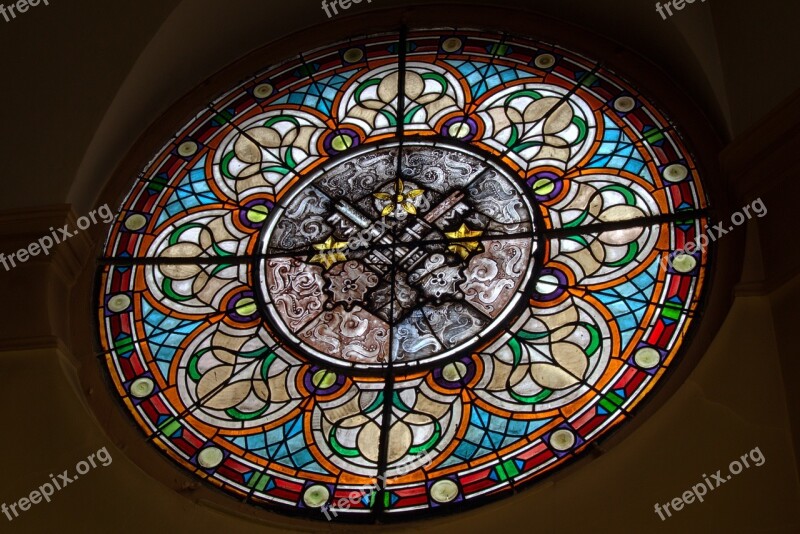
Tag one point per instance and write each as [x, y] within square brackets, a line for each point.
[434, 264]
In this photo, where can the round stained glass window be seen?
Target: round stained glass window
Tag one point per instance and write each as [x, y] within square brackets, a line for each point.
[410, 272]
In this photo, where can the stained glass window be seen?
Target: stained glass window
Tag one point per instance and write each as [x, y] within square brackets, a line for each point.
[407, 272]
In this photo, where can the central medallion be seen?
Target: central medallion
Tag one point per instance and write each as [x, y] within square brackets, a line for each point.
[382, 260]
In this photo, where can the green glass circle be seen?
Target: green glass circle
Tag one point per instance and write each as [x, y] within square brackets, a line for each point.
[342, 143]
[562, 440]
[676, 173]
[142, 387]
[545, 61]
[459, 130]
[247, 306]
[210, 457]
[119, 303]
[684, 263]
[454, 372]
[135, 222]
[263, 91]
[353, 55]
[647, 358]
[315, 496]
[323, 379]
[257, 214]
[452, 44]
[444, 491]
[624, 104]
[543, 187]
[189, 148]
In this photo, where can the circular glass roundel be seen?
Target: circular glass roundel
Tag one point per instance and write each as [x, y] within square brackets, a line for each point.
[377, 261]
[402, 274]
